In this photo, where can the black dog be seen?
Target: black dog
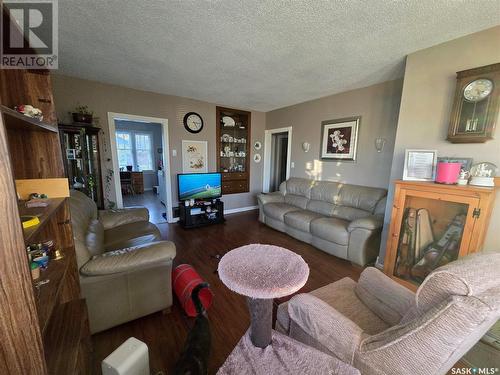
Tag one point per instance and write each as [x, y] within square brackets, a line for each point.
[194, 357]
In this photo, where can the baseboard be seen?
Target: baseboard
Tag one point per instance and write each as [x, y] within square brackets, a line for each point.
[241, 209]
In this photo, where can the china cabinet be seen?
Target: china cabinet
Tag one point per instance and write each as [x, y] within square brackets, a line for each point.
[81, 155]
[233, 149]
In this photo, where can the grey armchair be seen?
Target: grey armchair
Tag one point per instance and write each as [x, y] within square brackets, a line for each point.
[125, 269]
[380, 327]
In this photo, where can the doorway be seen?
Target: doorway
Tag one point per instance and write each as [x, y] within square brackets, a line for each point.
[277, 158]
[141, 166]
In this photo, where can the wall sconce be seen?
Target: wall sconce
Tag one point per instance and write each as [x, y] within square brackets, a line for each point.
[306, 146]
[379, 144]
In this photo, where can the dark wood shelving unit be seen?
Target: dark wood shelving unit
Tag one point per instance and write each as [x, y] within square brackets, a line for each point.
[235, 168]
[18, 121]
[44, 214]
[44, 328]
[64, 354]
[189, 220]
[83, 139]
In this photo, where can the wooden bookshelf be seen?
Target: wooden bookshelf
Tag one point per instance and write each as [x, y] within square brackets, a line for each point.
[44, 214]
[18, 121]
[44, 328]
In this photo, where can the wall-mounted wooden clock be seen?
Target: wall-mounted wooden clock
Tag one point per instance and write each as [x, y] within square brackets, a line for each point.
[193, 122]
[475, 107]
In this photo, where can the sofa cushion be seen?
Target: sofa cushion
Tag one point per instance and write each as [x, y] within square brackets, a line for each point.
[301, 220]
[130, 235]
[278, 210]
[341, 296]
[296, 200]
[355, 202]
[299, 186]
[326, 191]
[95, 237]
[331, 229]
[321, 207]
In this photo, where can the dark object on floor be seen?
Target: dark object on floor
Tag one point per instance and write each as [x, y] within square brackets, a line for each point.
[194, 357]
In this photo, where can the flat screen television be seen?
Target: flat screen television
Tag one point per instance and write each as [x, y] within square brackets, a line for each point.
[199, 186]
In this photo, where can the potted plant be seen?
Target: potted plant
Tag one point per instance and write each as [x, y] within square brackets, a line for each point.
[83, 114]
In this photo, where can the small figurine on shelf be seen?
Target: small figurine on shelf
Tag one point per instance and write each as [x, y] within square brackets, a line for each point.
[463, 177]
[37, 200]
[30, 111]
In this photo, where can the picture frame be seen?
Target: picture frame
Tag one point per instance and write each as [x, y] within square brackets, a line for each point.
[420, 165]
[466, 162]
[339, 139]
[194, 156]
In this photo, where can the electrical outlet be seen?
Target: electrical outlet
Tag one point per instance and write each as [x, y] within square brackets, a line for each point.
[292, 164]
[174, 152]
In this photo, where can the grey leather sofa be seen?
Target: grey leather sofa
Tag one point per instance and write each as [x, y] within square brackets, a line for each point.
[341, 219]
[125, 269]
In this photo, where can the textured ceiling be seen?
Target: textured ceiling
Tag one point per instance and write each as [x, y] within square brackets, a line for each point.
[258, 55]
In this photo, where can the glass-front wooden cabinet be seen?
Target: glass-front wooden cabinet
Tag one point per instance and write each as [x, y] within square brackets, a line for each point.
[80, 150]
[233, 149]
[433, 224]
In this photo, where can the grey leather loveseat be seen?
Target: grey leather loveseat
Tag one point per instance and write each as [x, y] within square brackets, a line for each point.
[341, 219]
[125, 269]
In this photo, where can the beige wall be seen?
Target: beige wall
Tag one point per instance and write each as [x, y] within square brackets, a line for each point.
[426, 102]
[104, 98]
[378, 105]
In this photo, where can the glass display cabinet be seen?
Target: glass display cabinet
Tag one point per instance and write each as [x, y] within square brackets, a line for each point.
[433, 224]
[80, 150]
[233, 149]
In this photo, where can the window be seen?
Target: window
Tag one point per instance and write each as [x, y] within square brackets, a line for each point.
[144, 151]
[125, 149]
[135, 149]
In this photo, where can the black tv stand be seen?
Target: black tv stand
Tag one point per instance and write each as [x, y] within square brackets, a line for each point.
[202, 213]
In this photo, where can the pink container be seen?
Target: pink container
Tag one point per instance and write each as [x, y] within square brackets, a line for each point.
[447, 173]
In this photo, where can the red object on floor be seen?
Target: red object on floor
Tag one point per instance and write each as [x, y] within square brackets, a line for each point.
[184, 279]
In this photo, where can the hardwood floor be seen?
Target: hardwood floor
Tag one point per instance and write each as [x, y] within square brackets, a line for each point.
[229, 319]
[149, 200]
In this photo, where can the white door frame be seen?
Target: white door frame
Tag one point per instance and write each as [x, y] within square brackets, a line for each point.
[112, 116]
[266, 180]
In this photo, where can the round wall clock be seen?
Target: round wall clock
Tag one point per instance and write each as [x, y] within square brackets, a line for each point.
[257, 145]
[478, 90]
[193, 122]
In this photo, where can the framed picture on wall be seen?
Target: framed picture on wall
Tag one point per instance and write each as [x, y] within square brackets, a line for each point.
[194, 157]
[339, 138]
[420, 165]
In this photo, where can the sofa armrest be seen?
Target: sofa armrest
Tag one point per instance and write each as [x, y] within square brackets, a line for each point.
[327, 326]
[130, 259]
[385, 297]
[371, 222]
[114, 218]
[266, 198]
